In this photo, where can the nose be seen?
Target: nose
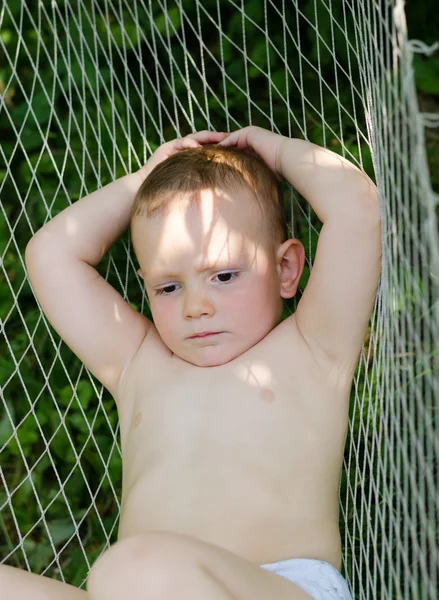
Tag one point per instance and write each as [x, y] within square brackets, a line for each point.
[196, 305]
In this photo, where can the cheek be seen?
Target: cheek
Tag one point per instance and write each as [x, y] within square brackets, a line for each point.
[258, 301]
[164, 315]
[248, 301]
[235, 303]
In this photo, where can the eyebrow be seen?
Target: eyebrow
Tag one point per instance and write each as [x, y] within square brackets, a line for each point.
[201, 269]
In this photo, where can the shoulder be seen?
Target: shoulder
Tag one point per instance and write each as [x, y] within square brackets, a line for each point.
[311, 357]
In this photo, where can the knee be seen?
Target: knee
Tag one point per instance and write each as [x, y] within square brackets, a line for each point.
[112, 571]
[141, 564]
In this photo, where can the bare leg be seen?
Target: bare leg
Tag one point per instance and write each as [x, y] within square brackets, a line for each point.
[17, 584]
[170, 566]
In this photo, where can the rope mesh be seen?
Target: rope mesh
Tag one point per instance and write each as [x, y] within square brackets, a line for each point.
[88, 91]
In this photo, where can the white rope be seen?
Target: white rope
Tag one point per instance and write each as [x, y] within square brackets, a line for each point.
[99, 85]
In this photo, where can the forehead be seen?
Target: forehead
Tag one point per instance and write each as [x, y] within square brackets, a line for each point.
[217, 226]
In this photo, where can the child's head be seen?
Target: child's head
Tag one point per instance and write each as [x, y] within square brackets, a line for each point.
[210, 235]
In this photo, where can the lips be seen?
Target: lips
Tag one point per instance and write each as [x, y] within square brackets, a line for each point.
[204, 334]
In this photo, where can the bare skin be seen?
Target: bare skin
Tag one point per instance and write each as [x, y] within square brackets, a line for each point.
[245, 455]
[256, 472]
[232, 444]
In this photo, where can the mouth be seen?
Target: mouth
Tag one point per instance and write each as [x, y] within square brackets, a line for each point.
[205, 334]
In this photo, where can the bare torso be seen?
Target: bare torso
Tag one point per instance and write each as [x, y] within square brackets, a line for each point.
[246, 455]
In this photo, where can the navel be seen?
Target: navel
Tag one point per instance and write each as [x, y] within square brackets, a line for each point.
[137, 419]
[267, 395]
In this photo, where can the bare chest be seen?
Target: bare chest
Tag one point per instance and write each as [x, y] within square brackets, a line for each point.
[246, 456]
[263, 416]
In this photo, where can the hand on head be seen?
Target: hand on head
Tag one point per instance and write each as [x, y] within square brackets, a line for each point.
[193, 140]
[255, 140]
[266, 144]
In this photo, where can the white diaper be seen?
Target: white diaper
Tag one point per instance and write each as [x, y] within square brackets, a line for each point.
[317, 578]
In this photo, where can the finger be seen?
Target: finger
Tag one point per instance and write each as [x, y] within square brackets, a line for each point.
[208, 136]
[231, 139]
[187, 142]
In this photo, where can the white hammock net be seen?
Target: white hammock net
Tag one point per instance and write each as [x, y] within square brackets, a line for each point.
[89, 90]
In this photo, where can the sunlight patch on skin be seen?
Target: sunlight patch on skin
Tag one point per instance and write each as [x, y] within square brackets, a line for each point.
[117, 316]
[185, 246]
[71, 226]
[110, 373]
[212, 231]
[257, 374]
[207, 210]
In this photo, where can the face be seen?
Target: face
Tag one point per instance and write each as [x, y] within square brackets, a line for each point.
[213, 283]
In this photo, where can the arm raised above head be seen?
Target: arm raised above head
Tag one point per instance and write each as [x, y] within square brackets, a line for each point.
[330, 183]
[335, 308]
[336, 305]
[93, 319]
[87, 229]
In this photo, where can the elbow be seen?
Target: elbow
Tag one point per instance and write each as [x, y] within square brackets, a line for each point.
[38, 251]
[40, 237]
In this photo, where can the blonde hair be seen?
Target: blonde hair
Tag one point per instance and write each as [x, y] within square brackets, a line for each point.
[209, 166]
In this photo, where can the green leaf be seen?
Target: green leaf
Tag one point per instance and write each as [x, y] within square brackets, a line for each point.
[172, 15]
[120, 34]
[61, 530]
[6, 36]
[427, 74]
[77, 420]
[85, 393]
[5, 429]
[62, 447]
[28, 434]
[65, 395]
[24, 493]
[41, 556]
[40, 111]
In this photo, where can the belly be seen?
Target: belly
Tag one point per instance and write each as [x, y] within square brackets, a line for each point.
[245, 515]
[213, 458]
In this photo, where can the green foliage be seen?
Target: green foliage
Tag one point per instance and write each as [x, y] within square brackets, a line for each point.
[427, 75]
[63, 154]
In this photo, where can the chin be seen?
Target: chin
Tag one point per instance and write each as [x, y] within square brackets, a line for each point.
[210, 361]
[210, 356]
[216, 363]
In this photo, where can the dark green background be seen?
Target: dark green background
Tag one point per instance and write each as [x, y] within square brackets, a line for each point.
[25, 389]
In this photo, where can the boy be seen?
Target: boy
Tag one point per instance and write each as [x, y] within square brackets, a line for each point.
[233, 423]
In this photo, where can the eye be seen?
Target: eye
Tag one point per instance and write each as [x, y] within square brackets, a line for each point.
[167, 290]
[227, 277]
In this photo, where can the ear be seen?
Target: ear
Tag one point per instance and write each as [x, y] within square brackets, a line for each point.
[290, 262]
[139, 272]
